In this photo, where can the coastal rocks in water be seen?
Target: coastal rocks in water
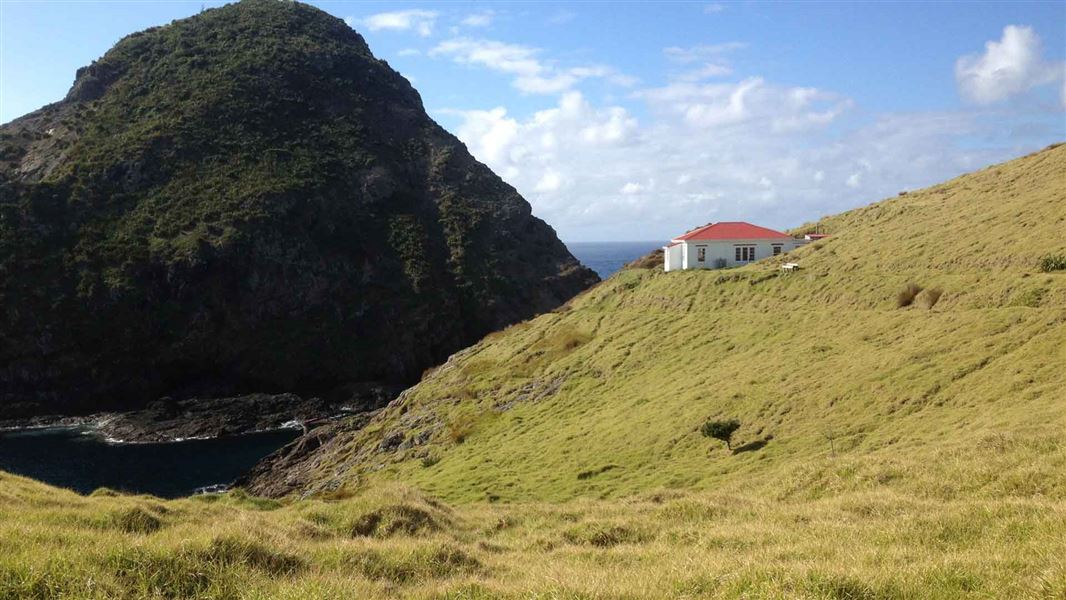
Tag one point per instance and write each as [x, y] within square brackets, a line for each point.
[249, 200]
[168, 420]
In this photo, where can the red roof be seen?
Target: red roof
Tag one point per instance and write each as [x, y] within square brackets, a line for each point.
[733, 230]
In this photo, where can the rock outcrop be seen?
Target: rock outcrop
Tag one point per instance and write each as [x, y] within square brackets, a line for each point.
[249, 201]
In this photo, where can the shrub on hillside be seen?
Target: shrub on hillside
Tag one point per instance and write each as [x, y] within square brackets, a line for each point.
[928, 298]
[136, 520]
[721, 430]
[461, 427]
[1053, 262]
[907, 294]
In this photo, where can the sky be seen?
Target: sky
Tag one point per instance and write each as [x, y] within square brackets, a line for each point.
[639, 121]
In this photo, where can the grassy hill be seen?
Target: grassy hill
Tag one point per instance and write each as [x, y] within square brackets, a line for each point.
[837, 388]
[884, 452]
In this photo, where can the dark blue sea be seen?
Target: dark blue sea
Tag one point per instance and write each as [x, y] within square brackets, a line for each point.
[607, 257]
[68, 458]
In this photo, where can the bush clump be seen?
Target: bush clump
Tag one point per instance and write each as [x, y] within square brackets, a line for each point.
[1053, 262]
[136, 520]
[721, 430]
[424, 562]
[231, 551]
[604, 535]
[392, 520]
[907, 295]
[461, 427]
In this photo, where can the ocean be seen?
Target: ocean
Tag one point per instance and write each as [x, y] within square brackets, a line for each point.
[69, 458]
[608, 257]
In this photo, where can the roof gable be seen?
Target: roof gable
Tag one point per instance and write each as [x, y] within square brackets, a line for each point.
[732, 230]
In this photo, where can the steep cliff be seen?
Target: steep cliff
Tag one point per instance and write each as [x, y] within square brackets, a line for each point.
[248, 201]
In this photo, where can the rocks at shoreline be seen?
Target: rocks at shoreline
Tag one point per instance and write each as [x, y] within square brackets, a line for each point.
[169, 420]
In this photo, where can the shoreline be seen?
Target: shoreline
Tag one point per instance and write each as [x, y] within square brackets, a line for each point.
[170, 421]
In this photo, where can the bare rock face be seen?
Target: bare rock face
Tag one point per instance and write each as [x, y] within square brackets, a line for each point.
[248, 201]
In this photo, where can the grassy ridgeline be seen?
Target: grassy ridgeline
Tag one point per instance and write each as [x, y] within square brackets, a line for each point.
[395, 542]
[921, 349]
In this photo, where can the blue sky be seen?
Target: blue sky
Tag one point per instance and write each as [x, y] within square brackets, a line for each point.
[641, 120]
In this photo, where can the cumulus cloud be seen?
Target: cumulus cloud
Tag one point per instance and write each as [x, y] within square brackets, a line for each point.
[782, 109]
[1008, 67]
[417, 20]
[530, 73]
[747, 149]
[599, 171]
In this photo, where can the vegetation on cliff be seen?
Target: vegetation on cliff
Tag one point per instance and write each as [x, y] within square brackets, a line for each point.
[247, 201]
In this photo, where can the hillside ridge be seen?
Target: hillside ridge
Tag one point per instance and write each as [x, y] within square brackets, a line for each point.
[823, 367]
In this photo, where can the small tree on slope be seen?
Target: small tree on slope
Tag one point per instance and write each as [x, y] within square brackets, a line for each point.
[721, 430]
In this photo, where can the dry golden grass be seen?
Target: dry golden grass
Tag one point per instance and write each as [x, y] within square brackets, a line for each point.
[392, 542]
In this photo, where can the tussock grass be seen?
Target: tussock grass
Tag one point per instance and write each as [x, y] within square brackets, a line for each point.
[906, 296]
[1053, 262]
[663, 544]
[927, 299]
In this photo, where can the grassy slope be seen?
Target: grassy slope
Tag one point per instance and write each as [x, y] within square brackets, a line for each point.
[605, 397]
[393, 542]
[947, 482]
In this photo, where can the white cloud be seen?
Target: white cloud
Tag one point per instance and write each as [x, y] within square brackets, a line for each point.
[751, 149]
[417, 20]
[530, 74]
[549, 182]
[409, 52]
[1008, 67]
[481, 19]
[712, 57]
[713, 8]
[781, 109]
[595, 172]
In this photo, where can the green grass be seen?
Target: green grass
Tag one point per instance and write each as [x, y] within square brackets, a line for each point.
[393, 542]
[961, 393]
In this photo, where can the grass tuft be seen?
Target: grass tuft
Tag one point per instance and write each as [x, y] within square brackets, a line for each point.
[906, 296]
[136, 520]
[927, 299]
